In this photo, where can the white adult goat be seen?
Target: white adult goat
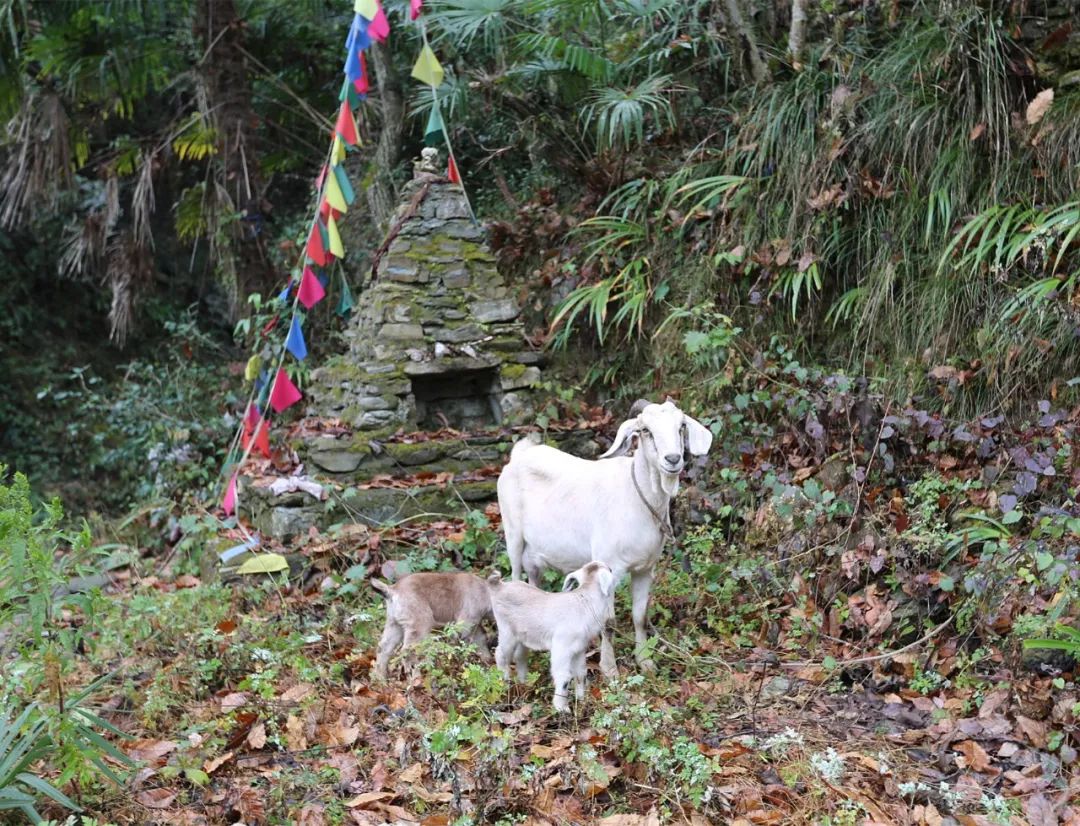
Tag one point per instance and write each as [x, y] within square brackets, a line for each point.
[561, 512]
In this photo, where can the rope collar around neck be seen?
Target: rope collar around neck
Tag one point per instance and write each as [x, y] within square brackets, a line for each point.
[663, 522]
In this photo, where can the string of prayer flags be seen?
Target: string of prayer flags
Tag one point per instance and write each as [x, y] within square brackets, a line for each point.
[427, 68]
[294, 342]
[414, 8]
[273, 388]
[228, 504]
[434, 131]
[452, 171]
[311, 291]
[316, 251]
[285, 394]
[336, 246]
[343, 183]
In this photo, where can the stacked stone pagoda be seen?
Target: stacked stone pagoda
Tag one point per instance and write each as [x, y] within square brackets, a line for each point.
[437, 338]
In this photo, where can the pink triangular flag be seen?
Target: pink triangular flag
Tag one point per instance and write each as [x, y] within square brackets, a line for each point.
[284, 395]
[321, 178]
[228, 504]
[311, 291]
[379, 28]
[414, 8]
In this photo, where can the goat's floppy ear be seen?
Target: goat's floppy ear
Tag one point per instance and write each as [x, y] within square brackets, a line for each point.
[606, 580]
[570, 581]
[698, 437]
[623, 439]
[638, 407]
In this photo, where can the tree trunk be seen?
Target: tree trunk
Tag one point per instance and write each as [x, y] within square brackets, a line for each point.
[241, 262]
[741, 30]
[380, 192]
[797, 35]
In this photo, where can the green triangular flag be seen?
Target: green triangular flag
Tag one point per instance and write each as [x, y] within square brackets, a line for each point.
[343, 182]
[348, 90]
[433, 134]
[345, 303]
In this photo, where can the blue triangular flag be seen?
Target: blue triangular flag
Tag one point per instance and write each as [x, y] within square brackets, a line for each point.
[358, 38]
[353, 70]
[260, 381]
[343, 182]
[284, 294]
[324, 279]
[295, 341]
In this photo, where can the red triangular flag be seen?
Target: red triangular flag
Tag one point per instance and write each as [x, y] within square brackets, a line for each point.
[452, 171]
[284, 394]
[228, 504]
[361, 83]
[346, 126]
[311, 291]
[254, 423]
[315, 249]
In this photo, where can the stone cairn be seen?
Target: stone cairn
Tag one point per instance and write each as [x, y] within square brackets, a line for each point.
[436, 343]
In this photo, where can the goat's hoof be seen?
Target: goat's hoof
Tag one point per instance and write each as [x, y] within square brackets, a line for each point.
[647, 666]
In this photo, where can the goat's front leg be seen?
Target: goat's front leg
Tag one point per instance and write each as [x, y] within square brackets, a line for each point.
[640, 587]
[562, 670]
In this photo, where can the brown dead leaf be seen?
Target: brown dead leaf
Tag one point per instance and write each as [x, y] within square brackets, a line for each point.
[156, 798]
[297, 693]
[1039, 106]
[977, 132]
[413, 774]
[368, 799]
[650, 819]
[312, 815]
[233, 701]
[150, 751]
[294, 733]
[215, 763]
[1033, 730]
[1040, 811]
[256, 738]
[975, 757]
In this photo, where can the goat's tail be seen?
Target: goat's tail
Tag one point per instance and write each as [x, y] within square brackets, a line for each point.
[381, 587]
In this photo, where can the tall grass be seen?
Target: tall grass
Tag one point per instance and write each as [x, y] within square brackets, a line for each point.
[893, 194]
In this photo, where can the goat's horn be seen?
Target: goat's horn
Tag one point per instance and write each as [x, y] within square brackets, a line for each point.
[637, 407]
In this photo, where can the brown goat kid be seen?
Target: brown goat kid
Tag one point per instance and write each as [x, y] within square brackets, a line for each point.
[420, 603]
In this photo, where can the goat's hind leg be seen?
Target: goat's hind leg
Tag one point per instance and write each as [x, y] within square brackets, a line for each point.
[561, 672]
[391, 638]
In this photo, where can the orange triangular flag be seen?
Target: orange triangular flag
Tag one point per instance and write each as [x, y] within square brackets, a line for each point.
[452, 171]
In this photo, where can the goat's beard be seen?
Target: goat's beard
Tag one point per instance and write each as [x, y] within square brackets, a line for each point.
[669, 483]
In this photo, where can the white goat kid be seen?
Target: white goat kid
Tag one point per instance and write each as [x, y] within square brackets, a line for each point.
[564, 624]
[560, 511]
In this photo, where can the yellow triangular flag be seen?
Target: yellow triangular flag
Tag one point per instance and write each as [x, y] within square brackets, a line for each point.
[428, 69]
[337, 153]
[334, 195]
[336, 246]
[367, 8]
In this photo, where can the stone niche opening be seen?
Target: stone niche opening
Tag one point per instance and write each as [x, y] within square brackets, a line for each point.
[463, 400]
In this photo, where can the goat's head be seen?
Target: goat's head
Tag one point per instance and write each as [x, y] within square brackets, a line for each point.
[591, 572]
[666, 435]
